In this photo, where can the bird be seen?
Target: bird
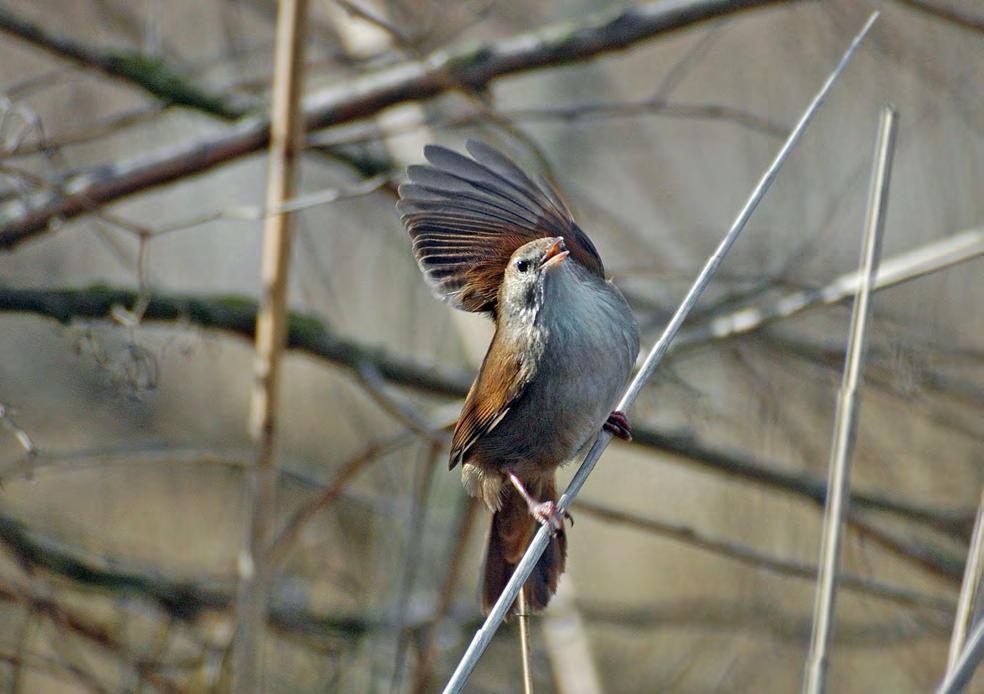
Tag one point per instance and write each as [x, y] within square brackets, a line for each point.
[488, 239]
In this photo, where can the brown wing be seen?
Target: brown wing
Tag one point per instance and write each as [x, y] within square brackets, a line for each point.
[466, 217]
[500, 382]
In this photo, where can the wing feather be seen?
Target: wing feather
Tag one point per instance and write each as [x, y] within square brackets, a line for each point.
[500, 383]
[466, 217]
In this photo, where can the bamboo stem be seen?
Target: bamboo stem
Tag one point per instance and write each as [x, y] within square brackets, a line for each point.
[847, 411]
[271, 343]
[522, 571]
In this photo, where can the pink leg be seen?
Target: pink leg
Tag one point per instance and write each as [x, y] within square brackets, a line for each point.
[545, 512]
[618, 424]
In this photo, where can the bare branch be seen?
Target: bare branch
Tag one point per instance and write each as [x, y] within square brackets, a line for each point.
[85, 133]
[473, 66]
[577, 112]
[931, 257]
[762, 560]
[237, 315]
[307, 333]
[950, 14]
[185, 600]
[153, 75]
[302, 516]
[67, 620]
[744, 615]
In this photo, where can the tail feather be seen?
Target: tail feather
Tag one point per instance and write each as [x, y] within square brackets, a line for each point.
[512, 530]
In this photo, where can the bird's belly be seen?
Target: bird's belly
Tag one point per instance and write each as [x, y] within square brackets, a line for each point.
[581, 378]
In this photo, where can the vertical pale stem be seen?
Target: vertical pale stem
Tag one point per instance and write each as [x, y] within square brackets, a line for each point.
[845, 419]
[525, 644]
[271, 322]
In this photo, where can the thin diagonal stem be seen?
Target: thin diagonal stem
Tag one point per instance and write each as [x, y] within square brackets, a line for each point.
[958, 678]
[845, 420]
[973, 575]
[522, 571]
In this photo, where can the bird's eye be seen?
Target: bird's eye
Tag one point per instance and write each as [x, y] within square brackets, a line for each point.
[522, 265]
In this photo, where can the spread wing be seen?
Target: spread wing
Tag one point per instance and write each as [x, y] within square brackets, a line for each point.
[500, 382]
[466, 217]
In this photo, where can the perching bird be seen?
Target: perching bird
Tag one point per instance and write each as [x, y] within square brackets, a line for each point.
[488, 239]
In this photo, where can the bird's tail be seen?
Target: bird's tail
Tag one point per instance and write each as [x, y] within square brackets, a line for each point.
[512, 530]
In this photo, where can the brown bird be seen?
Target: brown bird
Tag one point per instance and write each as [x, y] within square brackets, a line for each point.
[488, 239]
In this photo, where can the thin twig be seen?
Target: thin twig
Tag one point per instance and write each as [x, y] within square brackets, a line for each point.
[762, 560]
[302, 516]
[926, 259]
[113, 124]
[930, 557]
[522, 571]
[372, 382]
[363, 97]
[591, 111]
[67, 620]
[249, 213]
[152, 74]
[455, 556]
[271, 342]
[747, 616]
[842, 446]
[949, 14]
[971, 586]
[412, 556]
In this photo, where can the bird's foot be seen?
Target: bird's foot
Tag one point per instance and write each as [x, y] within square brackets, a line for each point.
[618, 425]
[549, 514]
[545, 512]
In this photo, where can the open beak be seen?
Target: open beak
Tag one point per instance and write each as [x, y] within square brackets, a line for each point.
[556, 254]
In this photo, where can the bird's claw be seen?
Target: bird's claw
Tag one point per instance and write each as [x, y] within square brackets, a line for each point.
[549, 514]
[618, 425]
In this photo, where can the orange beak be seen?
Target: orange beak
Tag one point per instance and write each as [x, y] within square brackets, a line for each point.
[556, 254]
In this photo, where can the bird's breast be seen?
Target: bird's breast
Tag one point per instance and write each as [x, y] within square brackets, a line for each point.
[587, 345]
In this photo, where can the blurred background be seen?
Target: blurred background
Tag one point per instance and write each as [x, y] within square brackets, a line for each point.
[132, 188]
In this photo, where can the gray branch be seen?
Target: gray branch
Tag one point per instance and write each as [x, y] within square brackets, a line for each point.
[307, 333]
[475, 67]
